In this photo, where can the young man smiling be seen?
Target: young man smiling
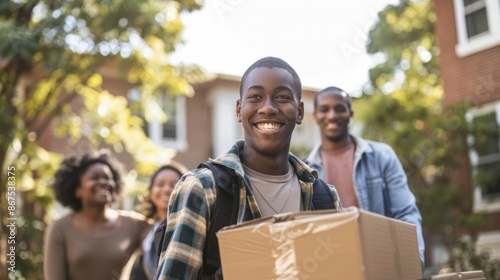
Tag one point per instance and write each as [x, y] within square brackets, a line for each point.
[271, 179]
[367, 174]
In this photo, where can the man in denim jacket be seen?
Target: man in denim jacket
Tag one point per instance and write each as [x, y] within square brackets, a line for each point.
[367, 174]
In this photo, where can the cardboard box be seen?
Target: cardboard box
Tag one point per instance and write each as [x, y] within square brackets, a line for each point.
[350, 245]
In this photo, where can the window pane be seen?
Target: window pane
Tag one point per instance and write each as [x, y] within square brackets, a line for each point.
[169, 131]
[486, 134]
[134, 101]
[488, 178]
[468, 2]
[169, 106]
[477, 22]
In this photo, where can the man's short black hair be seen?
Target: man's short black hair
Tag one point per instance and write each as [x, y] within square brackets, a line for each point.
[273, 62]
[340, 91]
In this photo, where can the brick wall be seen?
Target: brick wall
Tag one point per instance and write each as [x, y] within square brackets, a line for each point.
[474, 78]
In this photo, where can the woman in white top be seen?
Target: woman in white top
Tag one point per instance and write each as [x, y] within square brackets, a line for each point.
[162, 184]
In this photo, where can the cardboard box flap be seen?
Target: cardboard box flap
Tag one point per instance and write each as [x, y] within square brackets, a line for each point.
[283, 218]
[392, 240]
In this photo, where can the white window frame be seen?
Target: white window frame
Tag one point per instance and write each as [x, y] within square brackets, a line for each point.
[155, 129]
[490, 241]
[225, 126]
[468, 46]
[480, 204]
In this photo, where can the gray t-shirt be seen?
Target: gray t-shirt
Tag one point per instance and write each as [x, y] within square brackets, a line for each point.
[275, 193]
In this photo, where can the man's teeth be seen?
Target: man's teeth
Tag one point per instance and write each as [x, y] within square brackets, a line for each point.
[268, 126]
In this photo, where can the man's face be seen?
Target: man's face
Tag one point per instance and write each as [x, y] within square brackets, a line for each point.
[333, 115]
[268, 110]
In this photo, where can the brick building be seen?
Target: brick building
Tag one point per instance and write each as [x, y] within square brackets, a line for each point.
[200, 127]
[205, 125]
[468, 35]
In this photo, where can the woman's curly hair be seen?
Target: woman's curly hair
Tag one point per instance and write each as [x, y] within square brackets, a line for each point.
[148, 207]
[67, 178]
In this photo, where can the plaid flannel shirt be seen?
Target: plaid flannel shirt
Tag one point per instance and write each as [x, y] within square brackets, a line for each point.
[190, 206]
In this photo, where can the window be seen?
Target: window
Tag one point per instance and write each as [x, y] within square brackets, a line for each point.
[485, 155]
[169, 106]
[476, 18]
[171, 134]
[486, 144]
[478, 25]
[225, 127]
[134, 99]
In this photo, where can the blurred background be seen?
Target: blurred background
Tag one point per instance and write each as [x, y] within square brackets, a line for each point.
[155, 80]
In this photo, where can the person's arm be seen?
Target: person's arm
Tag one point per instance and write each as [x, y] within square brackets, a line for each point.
[182, 249]
[401, 201]
[54, 255]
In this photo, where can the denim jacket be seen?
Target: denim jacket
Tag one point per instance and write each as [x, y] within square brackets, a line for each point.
[380, 183]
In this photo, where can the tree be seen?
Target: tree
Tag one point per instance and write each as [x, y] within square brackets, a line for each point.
[430, 139]
[51, 54]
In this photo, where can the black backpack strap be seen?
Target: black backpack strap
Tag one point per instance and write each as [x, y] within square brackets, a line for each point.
[225, 213]
[159, 236]
[323, 198]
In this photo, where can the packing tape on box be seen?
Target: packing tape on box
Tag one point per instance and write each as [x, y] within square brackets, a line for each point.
[286, 266]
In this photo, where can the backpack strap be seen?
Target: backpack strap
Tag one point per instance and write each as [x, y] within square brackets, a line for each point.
[323, 198]
[159, 236]
[225, 213]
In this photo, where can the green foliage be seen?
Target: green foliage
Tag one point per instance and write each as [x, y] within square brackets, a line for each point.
[300, 151]
[52, 56]
[430, 139]
[465, 258]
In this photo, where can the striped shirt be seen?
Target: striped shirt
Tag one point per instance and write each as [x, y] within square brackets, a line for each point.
[192, 202]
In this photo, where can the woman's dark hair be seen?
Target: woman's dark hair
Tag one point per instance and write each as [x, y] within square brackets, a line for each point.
[67, 178]
[149, 208]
